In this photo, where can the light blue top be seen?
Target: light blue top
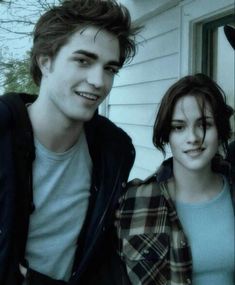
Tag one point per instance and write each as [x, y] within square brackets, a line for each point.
[61, 189]
[209, 227]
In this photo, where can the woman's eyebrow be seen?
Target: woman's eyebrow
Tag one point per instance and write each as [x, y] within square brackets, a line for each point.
[177, 120]
[205, 117]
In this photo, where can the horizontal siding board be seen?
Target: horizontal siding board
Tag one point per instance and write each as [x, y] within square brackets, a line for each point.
[156, 69]
[140, 93]
[147, 162]
[133, 114]
[161, 23]
[138, 172]
[158, 46]
[149, 159]
[194, 9]
[142, 9]
[141, 135]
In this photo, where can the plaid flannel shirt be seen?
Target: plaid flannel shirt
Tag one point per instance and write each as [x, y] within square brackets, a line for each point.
[151, 239]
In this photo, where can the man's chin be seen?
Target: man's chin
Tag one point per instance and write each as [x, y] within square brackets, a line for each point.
[84, 118]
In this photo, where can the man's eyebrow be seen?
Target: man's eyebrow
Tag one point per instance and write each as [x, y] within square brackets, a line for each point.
[95, 57]
[86, 53]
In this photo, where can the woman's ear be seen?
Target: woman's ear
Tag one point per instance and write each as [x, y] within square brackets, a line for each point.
[44, 63]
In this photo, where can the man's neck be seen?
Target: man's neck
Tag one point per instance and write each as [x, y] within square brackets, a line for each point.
[56, 134]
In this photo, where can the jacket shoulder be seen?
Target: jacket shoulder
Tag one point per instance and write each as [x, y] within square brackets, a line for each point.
[111, 129]
[102, 131]
[18, 120]
[5, 117]
[16, 101]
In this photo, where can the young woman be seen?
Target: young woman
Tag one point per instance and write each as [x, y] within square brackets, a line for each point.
[177, 227]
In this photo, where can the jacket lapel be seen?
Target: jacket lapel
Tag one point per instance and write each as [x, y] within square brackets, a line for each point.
[103, 151]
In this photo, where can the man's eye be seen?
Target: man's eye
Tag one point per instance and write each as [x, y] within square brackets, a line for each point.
[112, 70]
[82, 61]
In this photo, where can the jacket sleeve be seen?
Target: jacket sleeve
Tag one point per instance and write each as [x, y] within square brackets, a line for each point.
[6, 189]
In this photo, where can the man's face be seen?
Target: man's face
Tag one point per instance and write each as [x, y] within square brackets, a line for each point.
[81, 75]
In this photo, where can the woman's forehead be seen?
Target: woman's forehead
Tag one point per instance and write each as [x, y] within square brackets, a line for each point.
[192, 106]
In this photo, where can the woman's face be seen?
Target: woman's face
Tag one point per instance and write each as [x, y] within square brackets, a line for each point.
[188, 148]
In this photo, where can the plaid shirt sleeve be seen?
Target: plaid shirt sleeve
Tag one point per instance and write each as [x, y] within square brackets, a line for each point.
[150, 241]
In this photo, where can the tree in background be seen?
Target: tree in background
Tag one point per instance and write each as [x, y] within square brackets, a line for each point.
[17, 21]
[17, 77]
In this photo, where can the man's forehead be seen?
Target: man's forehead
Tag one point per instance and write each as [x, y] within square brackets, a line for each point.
[94, 32]
[95, 41]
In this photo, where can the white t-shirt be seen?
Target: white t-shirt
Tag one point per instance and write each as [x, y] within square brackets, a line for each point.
[61, 190]
[209, 227]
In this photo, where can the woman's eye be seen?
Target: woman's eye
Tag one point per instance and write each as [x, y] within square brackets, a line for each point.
[205, 125]
[177, 128]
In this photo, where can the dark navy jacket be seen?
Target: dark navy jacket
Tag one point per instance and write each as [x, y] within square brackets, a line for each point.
[112, 155]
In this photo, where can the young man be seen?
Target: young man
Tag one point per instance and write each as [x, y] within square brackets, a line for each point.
[62, 166]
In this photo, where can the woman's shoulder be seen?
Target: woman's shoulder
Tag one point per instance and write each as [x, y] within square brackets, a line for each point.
[147, 187]
[152, 185]
[143, 204]
[142, 195]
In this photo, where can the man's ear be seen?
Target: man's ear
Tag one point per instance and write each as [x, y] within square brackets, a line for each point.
[45, 64]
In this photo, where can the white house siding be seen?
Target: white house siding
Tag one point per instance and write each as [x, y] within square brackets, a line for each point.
[164, 55]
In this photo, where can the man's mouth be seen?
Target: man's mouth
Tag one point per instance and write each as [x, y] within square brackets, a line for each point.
[87, 95]
[195, 151]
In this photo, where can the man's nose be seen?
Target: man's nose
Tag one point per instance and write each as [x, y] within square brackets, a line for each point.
[95, 77]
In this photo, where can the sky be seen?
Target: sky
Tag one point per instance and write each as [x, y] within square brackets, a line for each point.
[15, 45]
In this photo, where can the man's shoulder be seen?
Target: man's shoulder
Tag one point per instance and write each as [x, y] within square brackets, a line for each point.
[15, 104]
[110, 127]
[16, 100]
[13, 111]
[108, 130]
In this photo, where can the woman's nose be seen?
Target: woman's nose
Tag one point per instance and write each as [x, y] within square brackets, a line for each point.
[194, 135]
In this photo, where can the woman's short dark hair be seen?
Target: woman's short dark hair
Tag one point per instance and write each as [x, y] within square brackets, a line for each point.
[205, 90]
[55, 27]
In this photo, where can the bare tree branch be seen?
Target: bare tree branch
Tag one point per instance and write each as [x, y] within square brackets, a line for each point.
[17, 21]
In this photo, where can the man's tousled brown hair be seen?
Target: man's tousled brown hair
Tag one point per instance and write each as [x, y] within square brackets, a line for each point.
[55, 27]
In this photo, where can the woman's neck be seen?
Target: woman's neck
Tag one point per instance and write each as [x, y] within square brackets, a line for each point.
[195, 186]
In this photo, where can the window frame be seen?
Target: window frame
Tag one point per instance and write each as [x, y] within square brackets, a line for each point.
[208, 38]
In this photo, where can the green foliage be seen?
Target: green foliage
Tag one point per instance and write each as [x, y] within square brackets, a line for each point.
[17, 77]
